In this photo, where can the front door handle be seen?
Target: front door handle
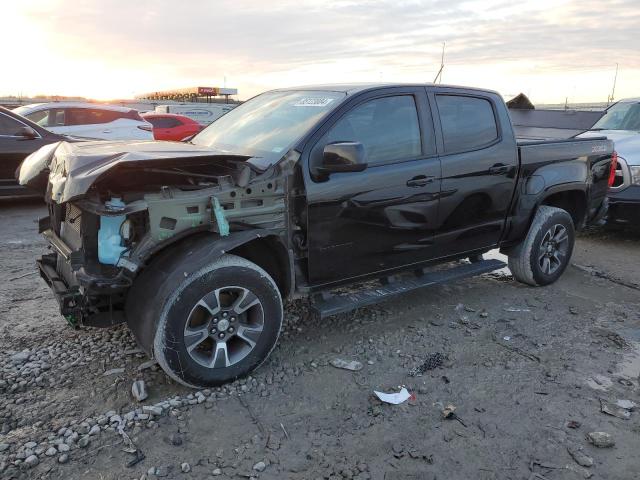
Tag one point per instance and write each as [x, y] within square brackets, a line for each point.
[420, 181]
[499, 169]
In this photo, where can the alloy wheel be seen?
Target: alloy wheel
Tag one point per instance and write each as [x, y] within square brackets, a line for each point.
[553, 249]
[224, 327]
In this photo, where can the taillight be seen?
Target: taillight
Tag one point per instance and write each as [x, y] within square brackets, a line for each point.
[614, 164]
[146, 128]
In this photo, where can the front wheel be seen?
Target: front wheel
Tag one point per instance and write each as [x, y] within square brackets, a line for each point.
[219, 323]
[545, 252]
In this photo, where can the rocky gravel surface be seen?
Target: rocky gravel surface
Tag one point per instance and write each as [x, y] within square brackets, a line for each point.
[506, 382]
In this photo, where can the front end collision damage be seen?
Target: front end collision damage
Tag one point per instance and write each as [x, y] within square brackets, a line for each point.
[127, 216]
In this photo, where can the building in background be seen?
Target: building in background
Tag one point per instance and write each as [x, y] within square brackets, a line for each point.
[193, 95]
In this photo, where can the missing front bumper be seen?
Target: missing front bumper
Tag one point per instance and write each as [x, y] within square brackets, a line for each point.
[69, 298]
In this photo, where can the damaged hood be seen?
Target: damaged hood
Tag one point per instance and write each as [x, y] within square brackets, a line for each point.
[73, 168]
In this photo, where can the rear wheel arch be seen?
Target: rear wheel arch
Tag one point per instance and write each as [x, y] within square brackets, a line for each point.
[545, 251]
[572, 201]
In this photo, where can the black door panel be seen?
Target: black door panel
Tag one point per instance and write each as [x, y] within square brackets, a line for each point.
[370, 221]
[384, 217]
[477, 184]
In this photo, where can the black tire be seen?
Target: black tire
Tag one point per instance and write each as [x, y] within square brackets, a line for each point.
[192, 298]
[546, 251]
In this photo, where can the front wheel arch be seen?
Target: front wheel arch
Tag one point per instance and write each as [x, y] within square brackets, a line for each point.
[170, 338]
[190, 253]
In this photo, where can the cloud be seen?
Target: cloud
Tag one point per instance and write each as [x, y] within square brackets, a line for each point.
[256, 43]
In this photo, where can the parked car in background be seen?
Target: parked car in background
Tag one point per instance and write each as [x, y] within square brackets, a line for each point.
[621, 123]
[203, 113]
[19, 137]
[167, 126]
[103, 122]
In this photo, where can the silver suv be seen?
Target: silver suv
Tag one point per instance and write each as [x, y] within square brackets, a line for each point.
[621, 123]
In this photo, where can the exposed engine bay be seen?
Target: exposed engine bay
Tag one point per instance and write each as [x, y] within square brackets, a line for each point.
[110, 213]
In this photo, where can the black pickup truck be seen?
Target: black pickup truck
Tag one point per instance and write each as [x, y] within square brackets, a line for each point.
[297, 192]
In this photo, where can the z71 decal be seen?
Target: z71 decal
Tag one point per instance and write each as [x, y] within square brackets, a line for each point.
[599, 148]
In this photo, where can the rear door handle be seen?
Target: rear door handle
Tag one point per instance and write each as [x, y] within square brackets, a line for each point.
[499, 169]
[420, 181]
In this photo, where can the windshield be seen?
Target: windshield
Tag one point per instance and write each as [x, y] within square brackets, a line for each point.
[21, 110]
[621, 116]
[268, 125]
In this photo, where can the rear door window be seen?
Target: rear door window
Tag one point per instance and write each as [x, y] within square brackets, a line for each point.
[468, 123]
[105, 116]
[92, 116]
[78, 116]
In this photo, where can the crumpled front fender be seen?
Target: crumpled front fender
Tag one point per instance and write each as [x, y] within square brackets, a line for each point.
[34, 170]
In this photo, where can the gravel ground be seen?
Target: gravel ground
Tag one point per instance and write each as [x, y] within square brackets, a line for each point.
[531, 374]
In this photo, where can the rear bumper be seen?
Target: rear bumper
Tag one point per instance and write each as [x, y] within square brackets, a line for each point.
[624, 206]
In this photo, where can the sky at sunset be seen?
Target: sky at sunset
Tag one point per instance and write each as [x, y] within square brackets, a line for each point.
[107, 49]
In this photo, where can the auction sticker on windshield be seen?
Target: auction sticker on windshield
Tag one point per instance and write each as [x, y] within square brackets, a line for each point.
[313, 102]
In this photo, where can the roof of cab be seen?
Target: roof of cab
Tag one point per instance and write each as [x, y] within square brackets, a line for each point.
[352, 88]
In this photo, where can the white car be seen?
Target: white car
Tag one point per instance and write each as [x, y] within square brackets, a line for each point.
[92, 120]
[203, 113]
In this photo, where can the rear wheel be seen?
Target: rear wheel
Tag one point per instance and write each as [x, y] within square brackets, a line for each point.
[546, 251]
[218, 323]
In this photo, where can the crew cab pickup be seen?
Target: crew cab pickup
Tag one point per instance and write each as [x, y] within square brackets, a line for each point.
[297, 192]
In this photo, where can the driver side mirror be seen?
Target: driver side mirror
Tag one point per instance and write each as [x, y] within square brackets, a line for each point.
[343, 157]
[27, 133]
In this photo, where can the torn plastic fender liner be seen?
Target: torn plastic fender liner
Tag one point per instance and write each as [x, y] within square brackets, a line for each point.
[191, 254]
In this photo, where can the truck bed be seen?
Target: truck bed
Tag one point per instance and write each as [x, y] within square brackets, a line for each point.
[551, 124]
[542, 151]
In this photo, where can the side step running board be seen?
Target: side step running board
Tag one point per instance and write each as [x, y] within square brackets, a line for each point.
[326, 304]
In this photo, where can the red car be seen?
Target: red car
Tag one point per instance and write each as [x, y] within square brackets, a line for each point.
[168, 126]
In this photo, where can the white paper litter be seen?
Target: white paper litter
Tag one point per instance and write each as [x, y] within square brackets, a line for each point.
[394, 398]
